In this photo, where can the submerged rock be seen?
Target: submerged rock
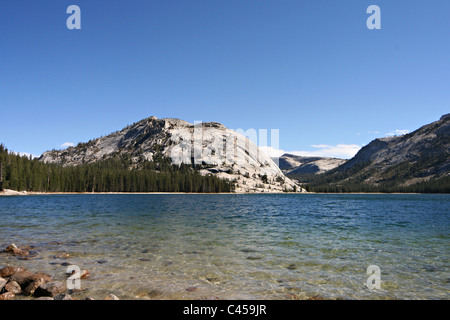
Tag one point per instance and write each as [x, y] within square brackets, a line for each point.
[253, 258]
[149, 294]
[62, 296]
[145, 259]
[291, 267]
[62, 255]
[18, 251]
[191, 289]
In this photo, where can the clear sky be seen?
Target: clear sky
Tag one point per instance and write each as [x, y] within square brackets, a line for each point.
[310, 68]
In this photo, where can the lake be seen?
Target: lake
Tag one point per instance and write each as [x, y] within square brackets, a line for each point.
[225, 246]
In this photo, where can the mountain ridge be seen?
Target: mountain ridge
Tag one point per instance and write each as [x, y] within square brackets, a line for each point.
[395, 163]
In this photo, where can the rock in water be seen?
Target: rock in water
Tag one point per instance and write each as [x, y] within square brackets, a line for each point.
[61, 255]
[18, 251]
[102, 261]
[191, 289]
[11, 248]
[62, 296]
[85, 274]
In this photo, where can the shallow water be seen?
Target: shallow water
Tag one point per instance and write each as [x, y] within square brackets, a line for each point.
[153, 246]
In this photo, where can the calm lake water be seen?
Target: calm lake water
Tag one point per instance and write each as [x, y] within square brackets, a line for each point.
[285, 246]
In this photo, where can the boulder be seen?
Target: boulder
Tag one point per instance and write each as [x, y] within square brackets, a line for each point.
[2, 283]
[31, 288]
[7, 296]
[13, 287]
[50, 289]
[9, 271]
[111, 297]
[25, 278]
[18, 251]
[11, 248]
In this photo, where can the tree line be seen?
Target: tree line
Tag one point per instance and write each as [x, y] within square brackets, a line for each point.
[440, 185]
[119, 174]
[354, 179]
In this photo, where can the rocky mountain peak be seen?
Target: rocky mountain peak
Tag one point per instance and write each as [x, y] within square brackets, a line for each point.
[209, 146]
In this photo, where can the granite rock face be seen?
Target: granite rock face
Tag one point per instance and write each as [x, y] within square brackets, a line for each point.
[293, 165]
[211, 146]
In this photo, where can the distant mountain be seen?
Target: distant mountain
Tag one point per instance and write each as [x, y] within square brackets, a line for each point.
[297, 166]
[211, 147]
[418, 161]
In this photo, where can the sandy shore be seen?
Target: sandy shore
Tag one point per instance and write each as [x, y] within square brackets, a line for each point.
[8, 192]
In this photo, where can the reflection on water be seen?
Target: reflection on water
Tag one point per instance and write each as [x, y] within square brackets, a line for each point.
[237, 247]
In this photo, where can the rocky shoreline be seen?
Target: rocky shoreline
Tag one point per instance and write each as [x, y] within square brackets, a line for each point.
[20, 282]
[8, 192]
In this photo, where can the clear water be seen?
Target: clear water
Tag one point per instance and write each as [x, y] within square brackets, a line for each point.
[237, 247]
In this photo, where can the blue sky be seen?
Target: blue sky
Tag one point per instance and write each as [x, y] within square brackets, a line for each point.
[311, 69]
